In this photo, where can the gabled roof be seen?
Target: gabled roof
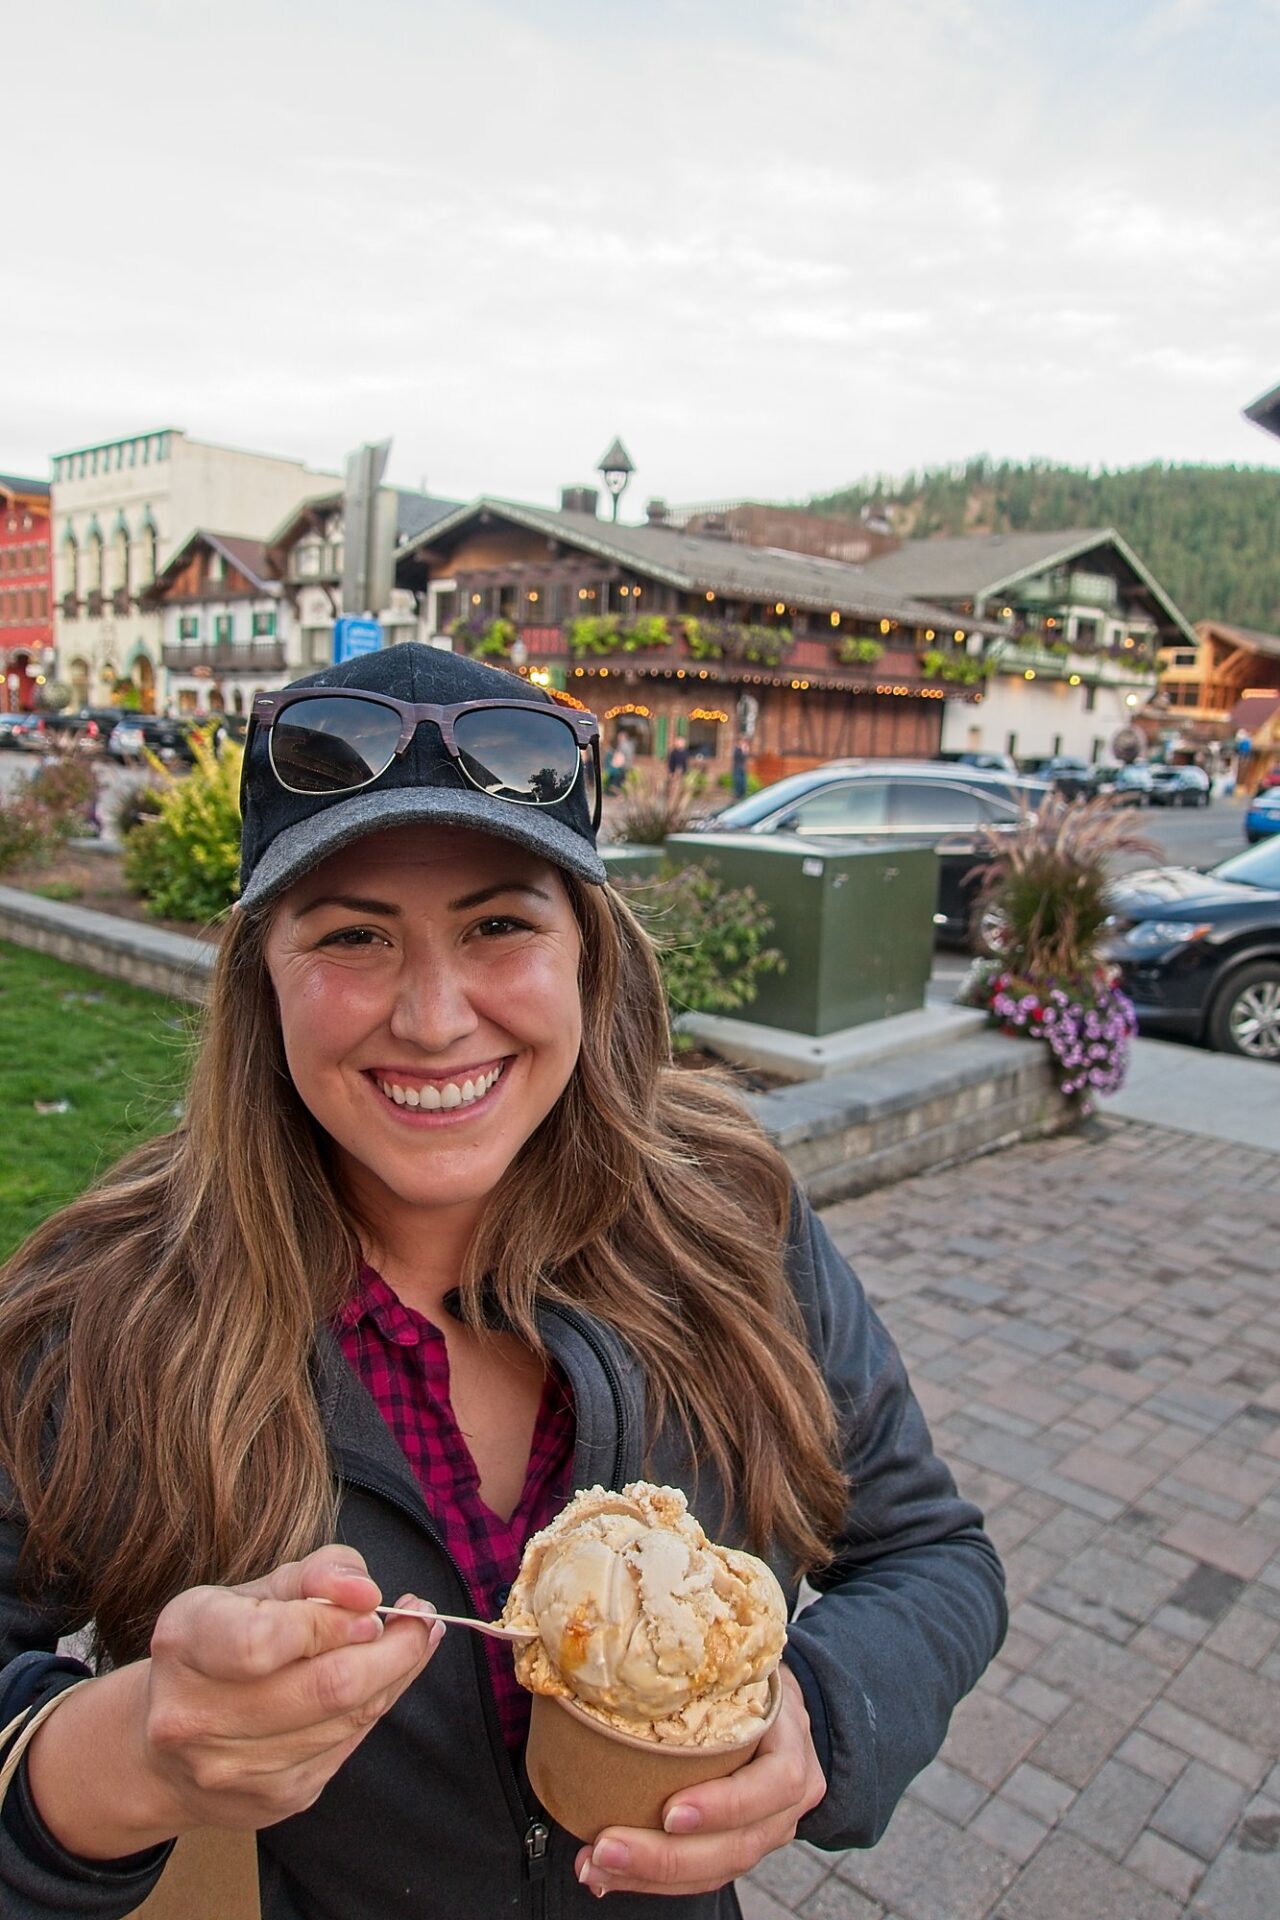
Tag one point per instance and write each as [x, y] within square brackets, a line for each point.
[695, 564]
[248, 557]
[1265, 412]
[1252, 713]
[15, 483]
[967, 566]
[415, 512]
[979, 565]
[1249, 637]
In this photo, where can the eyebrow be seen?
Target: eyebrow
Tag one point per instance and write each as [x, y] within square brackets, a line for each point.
[355, 903]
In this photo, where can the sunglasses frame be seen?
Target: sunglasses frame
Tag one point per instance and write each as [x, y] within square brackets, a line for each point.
[584, 727]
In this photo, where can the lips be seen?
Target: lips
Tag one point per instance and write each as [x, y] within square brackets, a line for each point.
[432, 1096]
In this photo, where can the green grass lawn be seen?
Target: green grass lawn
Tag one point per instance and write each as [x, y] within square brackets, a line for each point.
[115, 1055]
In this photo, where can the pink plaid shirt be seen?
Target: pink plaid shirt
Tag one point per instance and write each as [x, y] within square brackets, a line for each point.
[402, 1361]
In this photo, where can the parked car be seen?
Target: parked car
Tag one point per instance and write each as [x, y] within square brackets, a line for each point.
[1128, 786]
[895, 803]
[18, 729]
[1263, 816]
[1180, 787]
[137, 734]
[984, 762]
[1073, 779]
[29, 732]
[1199, 953]
[85, 728]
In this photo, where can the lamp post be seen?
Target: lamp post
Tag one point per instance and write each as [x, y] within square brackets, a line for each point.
[616, 470]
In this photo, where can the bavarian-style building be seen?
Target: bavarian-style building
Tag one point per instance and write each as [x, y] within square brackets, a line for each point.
[663, 633]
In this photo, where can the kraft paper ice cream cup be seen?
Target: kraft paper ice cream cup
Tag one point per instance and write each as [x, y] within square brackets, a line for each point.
[588, 1776]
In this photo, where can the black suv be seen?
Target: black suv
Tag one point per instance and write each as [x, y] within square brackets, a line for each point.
[896, 803]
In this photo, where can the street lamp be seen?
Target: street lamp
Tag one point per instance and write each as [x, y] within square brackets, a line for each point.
[616, 470]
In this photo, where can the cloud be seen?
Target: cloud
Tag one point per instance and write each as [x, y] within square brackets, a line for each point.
[773, 246]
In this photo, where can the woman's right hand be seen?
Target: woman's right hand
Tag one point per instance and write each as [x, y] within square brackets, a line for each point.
[250, 1702]
[255, 1697]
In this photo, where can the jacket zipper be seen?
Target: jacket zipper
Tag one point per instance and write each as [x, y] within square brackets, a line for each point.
[536, 1839]
[582, 1326]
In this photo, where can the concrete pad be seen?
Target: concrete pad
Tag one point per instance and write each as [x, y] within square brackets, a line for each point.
[807, 1056]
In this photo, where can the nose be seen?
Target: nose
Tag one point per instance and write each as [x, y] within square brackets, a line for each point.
[433, 1008]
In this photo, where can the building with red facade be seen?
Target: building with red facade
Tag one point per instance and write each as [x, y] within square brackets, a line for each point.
[26, 618]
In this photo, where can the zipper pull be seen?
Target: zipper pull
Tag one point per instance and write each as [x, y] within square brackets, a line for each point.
[536, 1837]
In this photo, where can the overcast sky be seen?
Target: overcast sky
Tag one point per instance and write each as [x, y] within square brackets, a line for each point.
[775, 244]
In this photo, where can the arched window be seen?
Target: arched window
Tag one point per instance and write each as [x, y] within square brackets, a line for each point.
[68, 566]
[147, 550]
[93, 559]
[119, 582]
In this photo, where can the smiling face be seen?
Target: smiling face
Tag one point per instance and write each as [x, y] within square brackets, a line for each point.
[427, 985]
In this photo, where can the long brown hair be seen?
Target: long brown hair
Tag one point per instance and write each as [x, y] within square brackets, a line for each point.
[168, 1314]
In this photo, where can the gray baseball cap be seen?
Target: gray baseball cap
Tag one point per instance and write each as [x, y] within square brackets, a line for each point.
[286, 834]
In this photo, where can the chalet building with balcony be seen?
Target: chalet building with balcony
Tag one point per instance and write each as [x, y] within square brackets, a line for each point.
[663, 632]
[120, 510]
[26, 620]
[1202, 685]
[224, 624]
[1079, 622]
[307, 555]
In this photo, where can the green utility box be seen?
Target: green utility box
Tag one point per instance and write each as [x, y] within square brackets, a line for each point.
[627, 863]
[855, 924]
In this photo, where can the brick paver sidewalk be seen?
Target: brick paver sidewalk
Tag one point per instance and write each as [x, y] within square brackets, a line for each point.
[1093, 1326]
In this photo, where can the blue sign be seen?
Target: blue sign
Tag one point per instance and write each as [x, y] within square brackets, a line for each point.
[352, 636]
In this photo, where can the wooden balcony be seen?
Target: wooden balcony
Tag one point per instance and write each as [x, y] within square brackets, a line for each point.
[249, 656]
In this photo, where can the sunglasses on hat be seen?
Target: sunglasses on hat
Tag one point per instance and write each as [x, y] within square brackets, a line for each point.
[325, 741]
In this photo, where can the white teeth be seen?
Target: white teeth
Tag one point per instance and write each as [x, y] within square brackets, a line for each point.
[432, 1098]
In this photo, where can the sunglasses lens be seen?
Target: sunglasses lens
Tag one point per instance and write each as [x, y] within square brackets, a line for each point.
[333, 746]
[518, 755]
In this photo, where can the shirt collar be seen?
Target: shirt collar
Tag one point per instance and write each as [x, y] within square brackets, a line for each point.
[374, 1300]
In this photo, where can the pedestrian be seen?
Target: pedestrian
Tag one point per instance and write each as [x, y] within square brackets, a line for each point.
[678, 758]
[741, 766]
[440, 1237]
[616, 768]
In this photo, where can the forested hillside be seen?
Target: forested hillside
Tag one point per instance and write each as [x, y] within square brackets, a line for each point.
[1211, 535]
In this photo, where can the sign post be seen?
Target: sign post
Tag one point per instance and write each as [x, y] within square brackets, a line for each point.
[352, 636]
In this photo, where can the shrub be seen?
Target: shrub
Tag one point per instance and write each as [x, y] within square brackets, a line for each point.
[710, 939]
[654, 803]
[139, 801]
[28, 831]
[67, 790]
[185, 860]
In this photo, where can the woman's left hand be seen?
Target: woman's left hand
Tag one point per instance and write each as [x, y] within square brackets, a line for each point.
[724, 1827]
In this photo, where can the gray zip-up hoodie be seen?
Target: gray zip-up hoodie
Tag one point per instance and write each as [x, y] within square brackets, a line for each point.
[429, 1816]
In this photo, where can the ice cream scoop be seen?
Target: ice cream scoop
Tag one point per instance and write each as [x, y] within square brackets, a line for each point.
[644, 1622]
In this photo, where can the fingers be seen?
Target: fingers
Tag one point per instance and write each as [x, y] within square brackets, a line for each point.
[723, 1828]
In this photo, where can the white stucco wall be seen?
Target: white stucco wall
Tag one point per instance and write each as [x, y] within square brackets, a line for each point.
[1042, 716]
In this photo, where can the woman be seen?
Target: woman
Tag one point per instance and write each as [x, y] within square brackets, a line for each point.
[442, 1237]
